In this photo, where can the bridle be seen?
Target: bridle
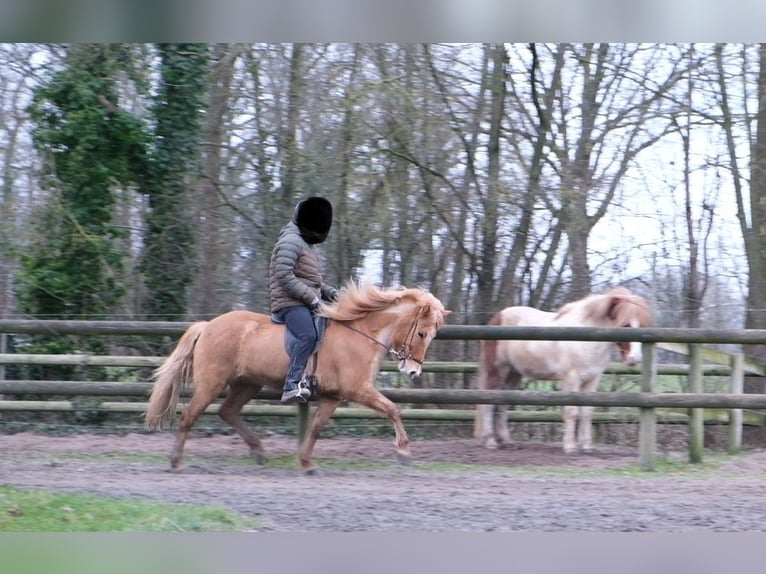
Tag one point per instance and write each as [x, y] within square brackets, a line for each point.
[404, 352]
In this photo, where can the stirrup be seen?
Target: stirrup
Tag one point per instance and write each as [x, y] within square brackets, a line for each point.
[300, 393]
[308, 384]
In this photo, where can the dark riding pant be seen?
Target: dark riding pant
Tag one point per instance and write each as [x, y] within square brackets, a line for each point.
[300, 322]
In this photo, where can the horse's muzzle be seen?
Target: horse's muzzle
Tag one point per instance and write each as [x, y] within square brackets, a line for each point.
[410, 368]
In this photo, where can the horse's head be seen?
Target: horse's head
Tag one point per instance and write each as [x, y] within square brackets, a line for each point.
[627, 309]
[416, 329]
[401, 321]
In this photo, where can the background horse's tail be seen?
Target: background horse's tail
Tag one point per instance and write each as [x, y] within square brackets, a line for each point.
[170, 378]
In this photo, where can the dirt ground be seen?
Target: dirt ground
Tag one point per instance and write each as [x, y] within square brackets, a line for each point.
[530, 486]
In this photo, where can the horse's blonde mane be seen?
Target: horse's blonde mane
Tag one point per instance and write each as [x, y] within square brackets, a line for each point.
[357, 301]
[627, 305]
[618, 304]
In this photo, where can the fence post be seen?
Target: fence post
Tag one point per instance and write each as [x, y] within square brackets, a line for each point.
[696, 416]
[736, 386]
[3, 350]
[647, 437]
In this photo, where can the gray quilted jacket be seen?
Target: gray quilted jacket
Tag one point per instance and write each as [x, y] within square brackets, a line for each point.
[295, 275]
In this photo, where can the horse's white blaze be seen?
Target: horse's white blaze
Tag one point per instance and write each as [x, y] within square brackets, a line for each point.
[634, 355]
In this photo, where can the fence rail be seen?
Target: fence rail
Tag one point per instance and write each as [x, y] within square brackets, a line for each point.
[646, 401]
[447, 332]
[432, 396]
[87, 360]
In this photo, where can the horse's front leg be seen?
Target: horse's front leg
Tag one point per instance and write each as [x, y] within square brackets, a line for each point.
[484, 426]
[585, 427]
[325, 408]
[570, 384]
[570, 426]
[373, 399]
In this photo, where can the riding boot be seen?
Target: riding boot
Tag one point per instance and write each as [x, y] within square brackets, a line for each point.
[295, 388]
[295, 391]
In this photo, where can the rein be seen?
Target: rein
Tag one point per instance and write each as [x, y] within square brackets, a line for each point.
[404, 353]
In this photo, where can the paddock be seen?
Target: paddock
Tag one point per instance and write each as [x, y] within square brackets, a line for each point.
[532, 488]
[646, 401]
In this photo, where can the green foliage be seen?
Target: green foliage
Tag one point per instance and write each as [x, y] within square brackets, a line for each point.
[90, 146]
[167, 263]
[36, 511]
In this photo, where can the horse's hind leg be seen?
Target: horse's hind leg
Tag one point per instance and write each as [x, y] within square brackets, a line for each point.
[512, 381]
[201, 398]
[324, 411]
[238, 397]
[500, 420]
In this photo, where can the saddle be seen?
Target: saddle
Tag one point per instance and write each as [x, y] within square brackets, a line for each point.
[320, 324]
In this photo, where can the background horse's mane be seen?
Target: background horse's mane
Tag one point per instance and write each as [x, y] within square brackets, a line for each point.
[356, 301]
[618, 304]
[630, 305]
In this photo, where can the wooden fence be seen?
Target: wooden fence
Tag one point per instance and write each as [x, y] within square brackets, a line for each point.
[646, 401]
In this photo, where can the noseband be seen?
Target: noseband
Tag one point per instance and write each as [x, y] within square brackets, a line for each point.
[404, 352]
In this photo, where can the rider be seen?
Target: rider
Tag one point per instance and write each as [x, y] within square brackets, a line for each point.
[296, 286]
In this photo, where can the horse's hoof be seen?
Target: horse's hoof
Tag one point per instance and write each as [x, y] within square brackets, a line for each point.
[491, 444]
[405, 459]
[312, 471]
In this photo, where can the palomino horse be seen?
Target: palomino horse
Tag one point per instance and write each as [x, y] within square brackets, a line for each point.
[578, 365]
[246, 351]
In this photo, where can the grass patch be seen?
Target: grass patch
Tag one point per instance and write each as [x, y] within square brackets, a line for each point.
[40, 511]
[123, 457]
[663, 468]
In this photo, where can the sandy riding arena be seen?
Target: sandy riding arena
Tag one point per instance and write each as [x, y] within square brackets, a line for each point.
[453, 485]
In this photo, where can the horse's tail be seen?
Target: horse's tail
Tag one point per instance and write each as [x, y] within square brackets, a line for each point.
[170, 378]
[488, 374]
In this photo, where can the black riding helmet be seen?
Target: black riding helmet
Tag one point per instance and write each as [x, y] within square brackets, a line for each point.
[313, 216]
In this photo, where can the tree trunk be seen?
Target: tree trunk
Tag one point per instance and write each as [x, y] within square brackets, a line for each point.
[755, 243]
[209, 298]
[488, 253]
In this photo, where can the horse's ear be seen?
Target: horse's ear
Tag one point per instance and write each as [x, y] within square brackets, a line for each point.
[617, 297]
[614, 305]
[427, 311]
